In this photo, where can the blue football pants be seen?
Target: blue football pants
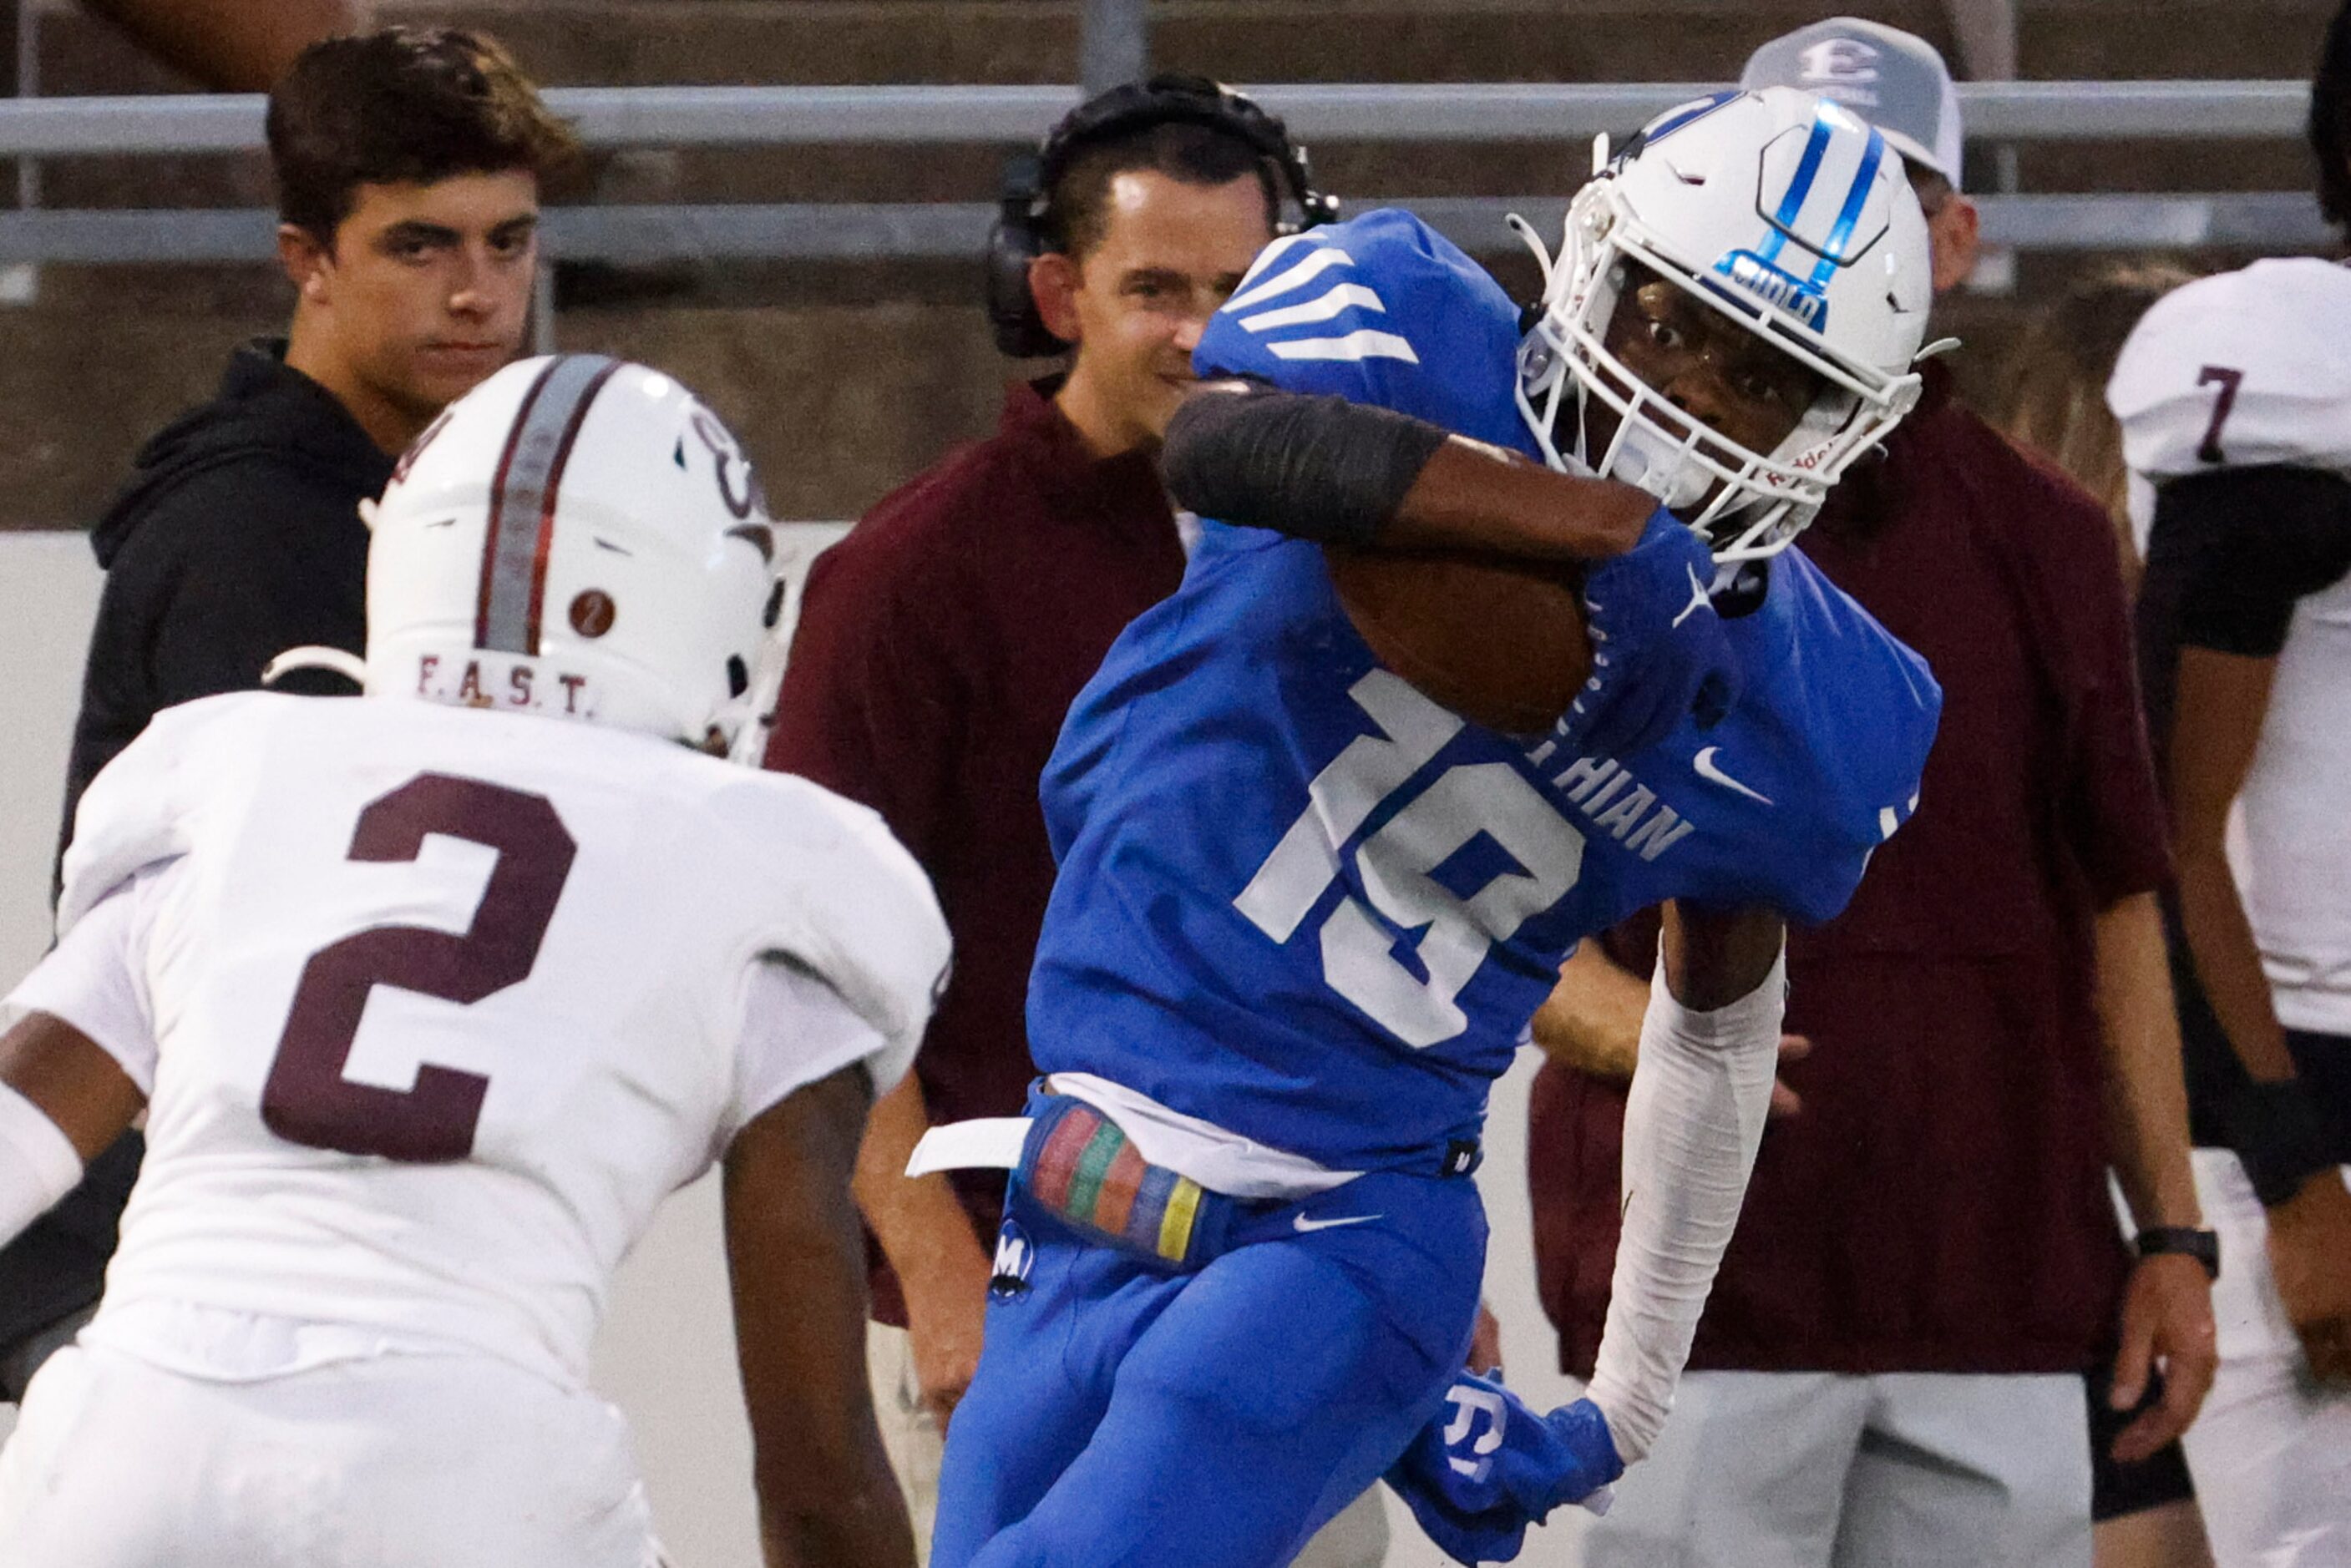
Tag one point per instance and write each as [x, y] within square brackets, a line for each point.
[1124, 1417]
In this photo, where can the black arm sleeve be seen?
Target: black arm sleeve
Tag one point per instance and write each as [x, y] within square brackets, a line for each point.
[2232, 552]
[1318, 468]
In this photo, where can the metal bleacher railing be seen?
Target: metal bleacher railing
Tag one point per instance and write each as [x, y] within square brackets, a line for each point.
[1998, 113]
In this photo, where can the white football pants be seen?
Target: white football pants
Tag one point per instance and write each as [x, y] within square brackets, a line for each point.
[2271, 1451]
[400, 1461]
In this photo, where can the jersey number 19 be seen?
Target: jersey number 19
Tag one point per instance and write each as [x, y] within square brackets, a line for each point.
[1395, 863]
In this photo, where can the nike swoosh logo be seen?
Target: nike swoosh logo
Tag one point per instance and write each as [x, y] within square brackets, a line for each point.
[1704, 764]
[1307, 1227]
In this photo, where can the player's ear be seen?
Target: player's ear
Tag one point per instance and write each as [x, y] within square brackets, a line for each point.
[1952, 239]
[306, 259]
[1053, 283]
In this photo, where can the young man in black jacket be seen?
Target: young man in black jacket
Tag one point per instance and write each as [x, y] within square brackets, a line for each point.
[408, 164]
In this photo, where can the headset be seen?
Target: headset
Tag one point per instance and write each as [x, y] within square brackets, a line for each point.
[1019, 237]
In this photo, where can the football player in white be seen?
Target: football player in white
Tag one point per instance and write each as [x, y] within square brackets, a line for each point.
[2234, 395]
[431, 998]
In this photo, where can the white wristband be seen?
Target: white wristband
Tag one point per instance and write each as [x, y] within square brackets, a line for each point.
[1692, 1125]
[37, 1163]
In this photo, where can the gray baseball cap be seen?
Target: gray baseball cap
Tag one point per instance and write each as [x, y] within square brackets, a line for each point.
[1894, 80]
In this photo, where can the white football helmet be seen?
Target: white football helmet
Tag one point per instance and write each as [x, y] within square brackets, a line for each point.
[575, 536]
[1790, 216]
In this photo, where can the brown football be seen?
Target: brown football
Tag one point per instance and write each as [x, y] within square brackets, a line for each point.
[1501, 644]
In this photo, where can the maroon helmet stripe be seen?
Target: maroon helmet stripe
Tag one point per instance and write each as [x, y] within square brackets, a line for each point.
[554, 487]
[498, 509]
[522, 501]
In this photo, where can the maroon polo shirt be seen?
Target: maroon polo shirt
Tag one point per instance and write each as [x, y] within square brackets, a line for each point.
[939, 647]
[1939, 1205]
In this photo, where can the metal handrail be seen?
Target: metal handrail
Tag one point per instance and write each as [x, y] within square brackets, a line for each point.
[954, 230]
[1533, 112]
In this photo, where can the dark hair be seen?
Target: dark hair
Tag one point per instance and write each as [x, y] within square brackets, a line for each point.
[1077, 208]
[2330, 119]
[403, 105]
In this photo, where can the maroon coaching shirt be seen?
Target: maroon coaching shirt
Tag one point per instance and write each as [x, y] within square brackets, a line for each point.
[939, 647]
[1939, 1204]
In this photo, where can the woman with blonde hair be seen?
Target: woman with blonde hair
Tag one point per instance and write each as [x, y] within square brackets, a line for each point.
[2057, 386]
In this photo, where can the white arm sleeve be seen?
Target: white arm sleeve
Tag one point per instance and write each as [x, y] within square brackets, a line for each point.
[797, 1031]
[1692, 1125]
[96, 978]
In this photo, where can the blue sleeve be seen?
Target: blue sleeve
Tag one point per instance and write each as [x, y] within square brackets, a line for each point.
[1861, 707]
[1381, 309]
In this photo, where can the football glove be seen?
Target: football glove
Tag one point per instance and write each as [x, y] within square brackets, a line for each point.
[1659, 650]
[1486, 1467]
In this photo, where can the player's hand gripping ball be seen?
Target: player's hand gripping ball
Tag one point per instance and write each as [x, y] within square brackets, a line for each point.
[1660, 653]
[1501, 643]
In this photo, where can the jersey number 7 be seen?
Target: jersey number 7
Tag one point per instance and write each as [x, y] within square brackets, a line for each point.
[306, 1099]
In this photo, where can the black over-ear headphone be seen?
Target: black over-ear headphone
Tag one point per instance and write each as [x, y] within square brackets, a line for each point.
[1018, 235]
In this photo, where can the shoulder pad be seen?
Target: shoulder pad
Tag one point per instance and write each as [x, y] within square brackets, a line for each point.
[2244, 370]
[842, 896]
[139, 809]
[1380, 309]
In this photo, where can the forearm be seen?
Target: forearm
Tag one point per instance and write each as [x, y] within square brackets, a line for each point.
[1476, 498]
[2229, 962]
[1592, 1019]
[1692, 1125]
[851, 1527]
[1345, 473]
[922, 1226]
[795, 1262]
[2145, 1089]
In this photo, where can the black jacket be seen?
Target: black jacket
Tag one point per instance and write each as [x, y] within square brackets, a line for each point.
[237, 538]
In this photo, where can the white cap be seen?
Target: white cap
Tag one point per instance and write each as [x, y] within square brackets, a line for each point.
[1894, 80]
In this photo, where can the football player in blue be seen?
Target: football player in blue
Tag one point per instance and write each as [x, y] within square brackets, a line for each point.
[1305, 911]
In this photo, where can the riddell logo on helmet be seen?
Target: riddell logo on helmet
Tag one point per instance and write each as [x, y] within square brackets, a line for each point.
[1776, 288]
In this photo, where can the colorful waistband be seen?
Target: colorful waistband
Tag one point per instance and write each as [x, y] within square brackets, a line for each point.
[1082, 1166]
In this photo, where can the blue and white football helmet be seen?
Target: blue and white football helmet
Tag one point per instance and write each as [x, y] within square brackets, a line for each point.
[1788, 215]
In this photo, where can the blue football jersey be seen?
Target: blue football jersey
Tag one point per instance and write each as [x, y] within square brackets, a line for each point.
[1302, 901]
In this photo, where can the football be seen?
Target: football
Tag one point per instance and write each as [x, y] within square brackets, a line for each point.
[1503, 644]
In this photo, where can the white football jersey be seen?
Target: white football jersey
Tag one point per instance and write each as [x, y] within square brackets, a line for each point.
[442, 1004]
[2240, 370]
[2245, 370]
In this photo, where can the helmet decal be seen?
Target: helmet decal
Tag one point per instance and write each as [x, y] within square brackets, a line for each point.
[522, 501]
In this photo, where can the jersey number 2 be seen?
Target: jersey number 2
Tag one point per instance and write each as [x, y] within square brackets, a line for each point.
[306, 1099]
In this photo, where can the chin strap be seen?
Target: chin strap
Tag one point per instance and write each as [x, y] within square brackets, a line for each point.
[342, 661]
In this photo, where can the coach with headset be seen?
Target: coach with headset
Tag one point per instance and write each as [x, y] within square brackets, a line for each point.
[941, 643]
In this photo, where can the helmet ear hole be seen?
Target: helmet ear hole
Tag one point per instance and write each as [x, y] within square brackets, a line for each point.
[774, 610]
[738, 675]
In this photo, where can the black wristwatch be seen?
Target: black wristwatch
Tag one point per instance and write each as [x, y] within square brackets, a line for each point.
[2204, 1246]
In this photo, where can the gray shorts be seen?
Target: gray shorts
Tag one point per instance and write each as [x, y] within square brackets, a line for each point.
[1803, 1469]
